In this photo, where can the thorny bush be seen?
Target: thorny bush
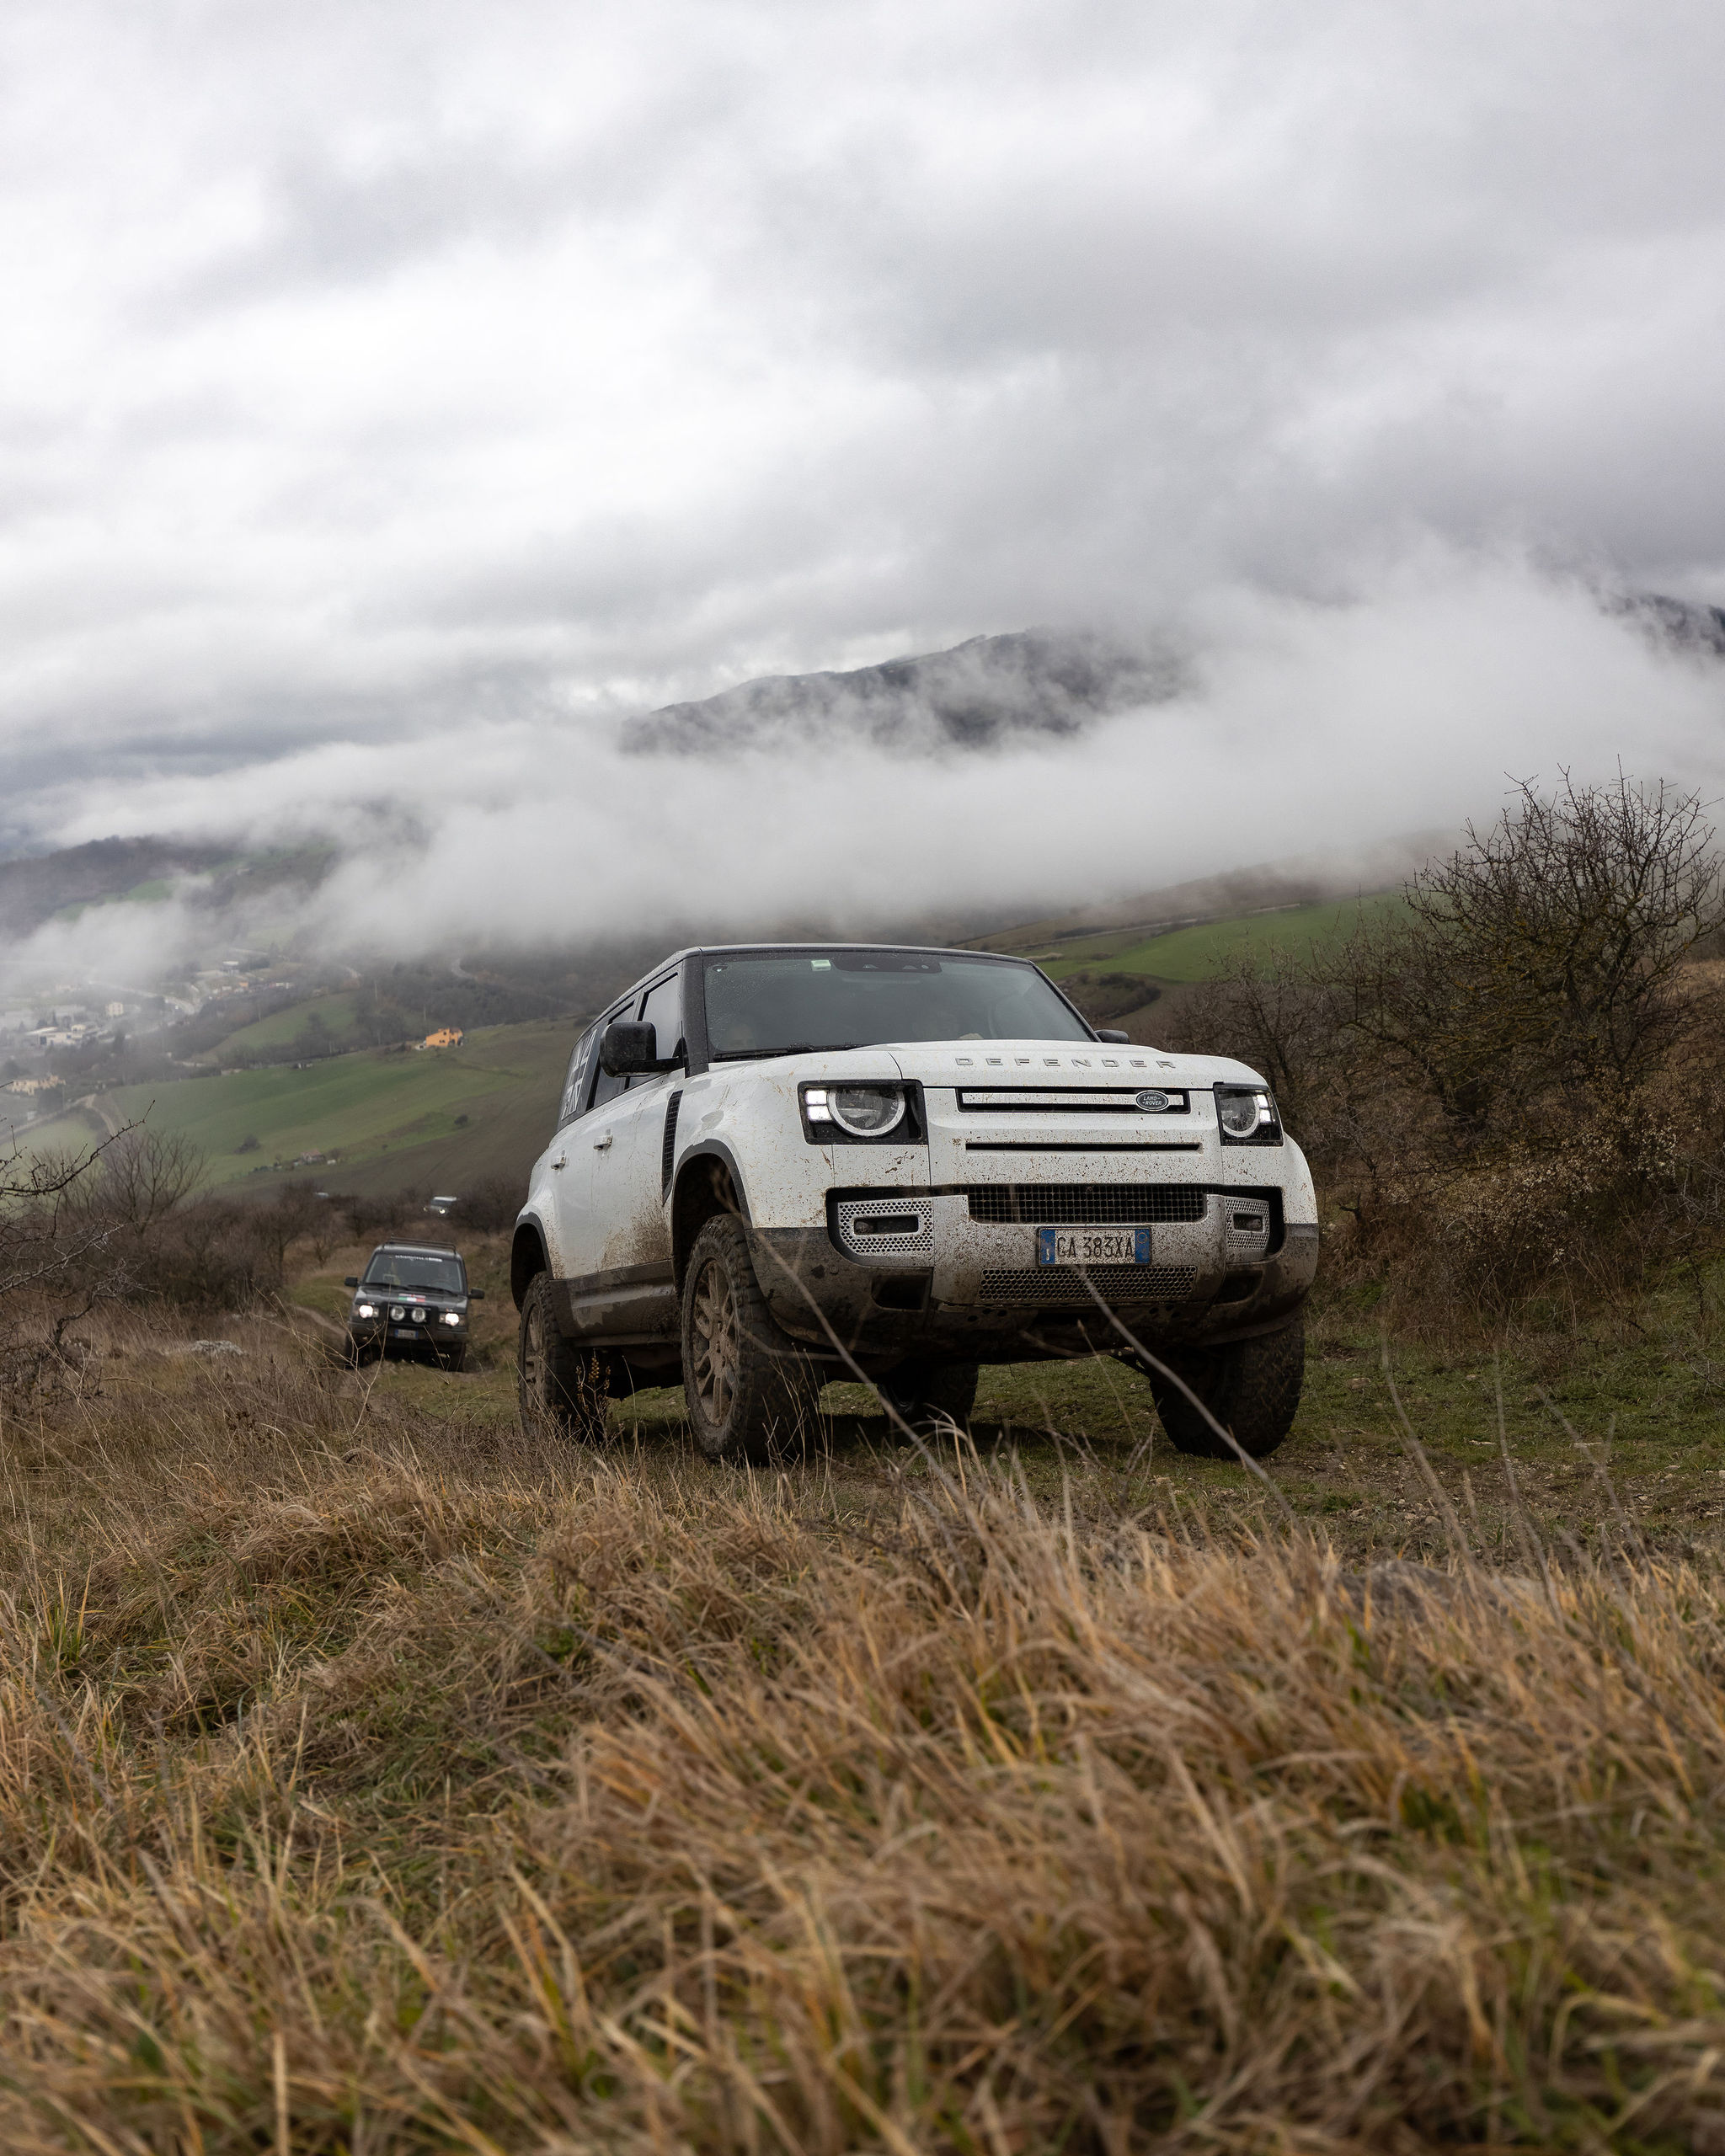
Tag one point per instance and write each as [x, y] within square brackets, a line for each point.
[1515, 1086]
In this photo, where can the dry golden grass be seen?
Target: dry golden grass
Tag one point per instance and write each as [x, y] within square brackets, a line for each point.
[370, 1784]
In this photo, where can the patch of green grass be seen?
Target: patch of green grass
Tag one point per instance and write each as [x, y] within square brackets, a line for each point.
[150, 893]
[356, 1105]
[1202, 951]
[338, 1015]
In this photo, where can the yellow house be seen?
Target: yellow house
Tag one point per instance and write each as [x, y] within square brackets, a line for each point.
[445, 1037]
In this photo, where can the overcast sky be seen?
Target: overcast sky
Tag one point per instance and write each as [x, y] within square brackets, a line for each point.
[393, 397]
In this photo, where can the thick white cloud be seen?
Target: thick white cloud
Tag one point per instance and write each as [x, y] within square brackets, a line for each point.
[391, 397]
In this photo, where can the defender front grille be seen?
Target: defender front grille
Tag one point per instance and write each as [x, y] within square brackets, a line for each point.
[1085, 1204]
[1050, 1285]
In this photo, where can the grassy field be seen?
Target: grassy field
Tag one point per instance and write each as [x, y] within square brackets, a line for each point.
[1618, 1427]
[385, 1114]
[281, 1028]
[376, 1776]
[1203, 951]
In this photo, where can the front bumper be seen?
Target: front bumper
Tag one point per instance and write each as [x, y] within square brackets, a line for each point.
[957, 1271]
[417, 1329]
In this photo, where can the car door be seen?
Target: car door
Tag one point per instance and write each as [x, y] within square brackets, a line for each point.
[628, 1175]
[575, 1228]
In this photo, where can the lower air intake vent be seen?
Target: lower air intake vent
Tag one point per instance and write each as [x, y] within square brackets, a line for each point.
[1052, 1284]
[1085, 1204]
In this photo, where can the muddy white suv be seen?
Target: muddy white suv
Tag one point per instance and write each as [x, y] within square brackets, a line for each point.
[778, 1165]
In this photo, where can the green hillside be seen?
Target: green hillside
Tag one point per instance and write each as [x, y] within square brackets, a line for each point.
[282, 1027]
[1202, 952]
[391, 1118]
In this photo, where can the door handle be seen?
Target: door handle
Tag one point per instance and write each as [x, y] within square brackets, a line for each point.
[602, 1145]
[561, 1161]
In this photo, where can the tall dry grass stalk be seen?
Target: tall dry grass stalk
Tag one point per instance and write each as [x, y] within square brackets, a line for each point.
[368, 1789]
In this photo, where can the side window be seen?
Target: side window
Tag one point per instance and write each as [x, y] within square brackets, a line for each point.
[605, 1087]
[663, 1010]
[580, 1064]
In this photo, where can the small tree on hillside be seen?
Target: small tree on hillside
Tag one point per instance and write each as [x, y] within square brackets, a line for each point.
[1541, 959]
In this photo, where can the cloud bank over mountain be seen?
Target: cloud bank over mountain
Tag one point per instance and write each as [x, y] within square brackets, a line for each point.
[1301, 730]
[397, 402]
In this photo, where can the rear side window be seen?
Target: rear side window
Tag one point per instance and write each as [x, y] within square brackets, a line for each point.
[580, 1064]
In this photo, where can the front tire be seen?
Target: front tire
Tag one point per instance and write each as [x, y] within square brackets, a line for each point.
[925, 1394]
[556, 1384]
[751, 1391]
[1251, 1386]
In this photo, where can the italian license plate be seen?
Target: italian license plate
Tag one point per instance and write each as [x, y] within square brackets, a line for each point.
[1092, 1245]
[407, 1332]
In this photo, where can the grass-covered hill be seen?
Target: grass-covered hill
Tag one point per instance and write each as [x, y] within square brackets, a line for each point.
[397, 1119]
[394, 1118]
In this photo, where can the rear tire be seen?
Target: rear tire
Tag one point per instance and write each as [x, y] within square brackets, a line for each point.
[557, 1384]
[1251, 1386]
[751, 1391]
[926, 1395]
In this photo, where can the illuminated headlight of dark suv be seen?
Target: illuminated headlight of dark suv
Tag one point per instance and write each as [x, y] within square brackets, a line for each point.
[857, 1111]
[1246, 1116]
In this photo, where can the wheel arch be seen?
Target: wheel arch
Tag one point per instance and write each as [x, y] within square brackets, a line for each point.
[708, 1181]
[527, 1257]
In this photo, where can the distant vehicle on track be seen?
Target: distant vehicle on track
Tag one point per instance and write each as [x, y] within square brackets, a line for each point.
[412, 1300]
[777, 1165]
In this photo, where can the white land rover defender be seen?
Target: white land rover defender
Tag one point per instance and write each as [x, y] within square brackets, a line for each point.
[778, 1165]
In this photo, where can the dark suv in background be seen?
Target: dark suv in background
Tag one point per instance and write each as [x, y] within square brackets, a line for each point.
[412, 1299]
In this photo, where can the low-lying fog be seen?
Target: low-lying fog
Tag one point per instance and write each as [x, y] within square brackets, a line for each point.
[1302, 730]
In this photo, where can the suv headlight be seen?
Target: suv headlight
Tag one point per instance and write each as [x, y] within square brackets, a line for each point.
[859, 1111]
[364, 1310]
[452, 1317]
[1246, 1116]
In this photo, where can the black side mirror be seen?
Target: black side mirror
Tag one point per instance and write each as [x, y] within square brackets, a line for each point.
[628, 1048]
[351, 1281]
[476, 1295]
[1114, 1033]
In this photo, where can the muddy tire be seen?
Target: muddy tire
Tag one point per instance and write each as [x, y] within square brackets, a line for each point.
[558, 1387]
[455, 1359]
[926, 1395]
[751, 1391]
[1252, 1387]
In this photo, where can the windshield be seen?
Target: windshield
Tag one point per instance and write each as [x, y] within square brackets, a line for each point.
[776, 1003]
[407, 1268]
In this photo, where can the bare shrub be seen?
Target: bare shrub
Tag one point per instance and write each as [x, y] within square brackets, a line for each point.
[1512, 1085]
[1542, 962]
